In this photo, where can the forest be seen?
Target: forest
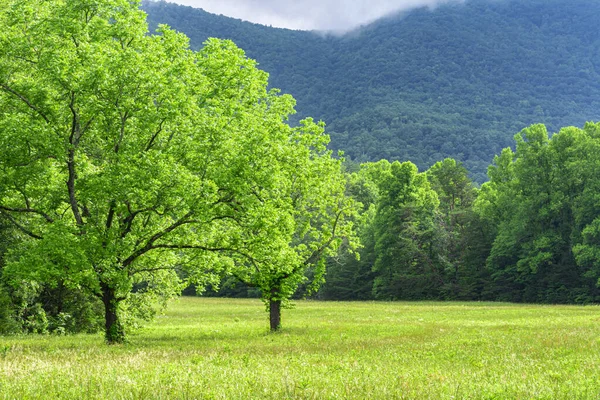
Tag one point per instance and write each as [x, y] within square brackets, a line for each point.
[134, 167]
[529, 234]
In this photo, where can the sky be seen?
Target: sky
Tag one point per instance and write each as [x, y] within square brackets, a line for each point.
[324, 15]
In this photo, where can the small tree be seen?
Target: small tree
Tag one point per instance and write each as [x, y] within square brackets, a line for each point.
[309, 219]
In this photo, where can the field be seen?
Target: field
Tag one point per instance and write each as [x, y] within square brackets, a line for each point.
[220, 349]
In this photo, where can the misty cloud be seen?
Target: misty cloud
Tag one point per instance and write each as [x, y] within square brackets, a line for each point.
[325, 15]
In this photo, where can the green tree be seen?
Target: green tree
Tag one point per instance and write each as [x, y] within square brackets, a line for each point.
[538, 202]
[456, 193]
[350, 277]
[408, 264]
[311, 216]
[585, 176]
[128, 158]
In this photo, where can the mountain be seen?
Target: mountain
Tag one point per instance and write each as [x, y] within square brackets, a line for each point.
[457, 81]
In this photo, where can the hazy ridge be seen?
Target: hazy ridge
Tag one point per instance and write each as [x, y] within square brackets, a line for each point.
[458, 81]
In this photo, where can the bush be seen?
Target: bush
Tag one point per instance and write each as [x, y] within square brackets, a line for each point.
[35, 308]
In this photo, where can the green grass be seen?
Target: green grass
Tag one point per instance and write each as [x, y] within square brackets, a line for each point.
[220, 349]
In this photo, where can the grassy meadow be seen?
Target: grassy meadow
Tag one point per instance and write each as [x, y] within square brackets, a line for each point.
[206, 348]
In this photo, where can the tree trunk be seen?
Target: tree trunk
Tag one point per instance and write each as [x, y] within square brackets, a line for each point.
[113, 330]
[275, 314]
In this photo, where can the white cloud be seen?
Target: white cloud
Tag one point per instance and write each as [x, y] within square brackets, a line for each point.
[328, 15]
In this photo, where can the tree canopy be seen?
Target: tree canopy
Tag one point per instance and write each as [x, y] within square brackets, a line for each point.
[131, 161]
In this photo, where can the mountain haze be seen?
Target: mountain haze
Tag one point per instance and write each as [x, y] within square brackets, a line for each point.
[337, 16]
[457, 81]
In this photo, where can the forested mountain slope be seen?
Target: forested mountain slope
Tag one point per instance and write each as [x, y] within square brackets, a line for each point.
[458, 81]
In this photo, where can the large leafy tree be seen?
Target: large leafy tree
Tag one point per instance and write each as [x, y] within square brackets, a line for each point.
[408, 264]
[127, 158]
[581, 149]
[541, 203]
[456, 193]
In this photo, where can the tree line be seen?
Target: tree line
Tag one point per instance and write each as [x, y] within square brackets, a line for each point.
[529, 234]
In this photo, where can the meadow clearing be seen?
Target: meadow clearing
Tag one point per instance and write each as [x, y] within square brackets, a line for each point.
[207, 348]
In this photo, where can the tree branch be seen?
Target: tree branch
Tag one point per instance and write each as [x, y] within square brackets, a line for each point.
[28, 210]
[73, 141]
[137, 271]
[110, 216]
[124, 119]
[315, 255]
[24, 100]
[150, 243]
[205, 248]
[190, 246]
[153, 138]
[71, 187]
[20, 227]
[128, 221]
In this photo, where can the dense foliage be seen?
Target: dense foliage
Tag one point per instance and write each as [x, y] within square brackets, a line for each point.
[456, 82]
[542, 202]
[530, 234]
[133, 166]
